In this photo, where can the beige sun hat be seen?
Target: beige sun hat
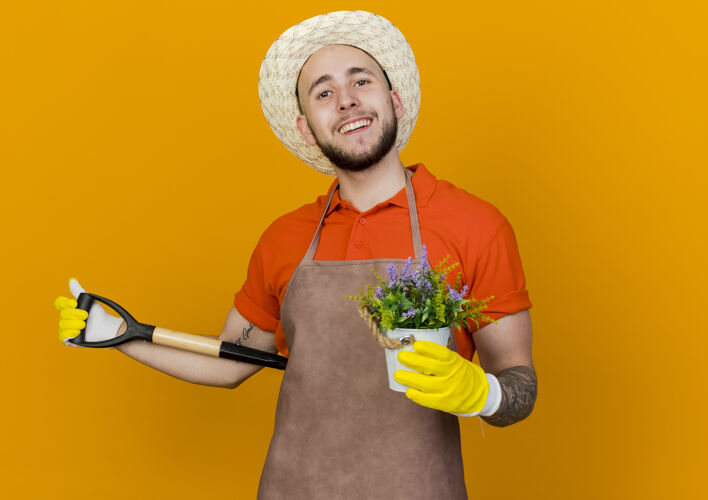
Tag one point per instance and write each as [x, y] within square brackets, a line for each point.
[281, 66]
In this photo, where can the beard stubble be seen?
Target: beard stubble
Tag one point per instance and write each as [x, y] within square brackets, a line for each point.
[357, 162]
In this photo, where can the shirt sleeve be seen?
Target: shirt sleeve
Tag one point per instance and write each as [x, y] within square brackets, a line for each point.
[255, 300]
[499, 273]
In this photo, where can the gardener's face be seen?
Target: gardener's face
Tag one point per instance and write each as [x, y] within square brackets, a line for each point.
[349, 111]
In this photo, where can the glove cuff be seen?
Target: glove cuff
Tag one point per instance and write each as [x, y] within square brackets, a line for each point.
[493, 399]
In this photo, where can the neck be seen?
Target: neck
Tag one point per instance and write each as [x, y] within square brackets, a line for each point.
[377, 183]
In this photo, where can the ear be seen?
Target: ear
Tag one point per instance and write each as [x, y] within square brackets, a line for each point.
[304, 129]
[397, 104]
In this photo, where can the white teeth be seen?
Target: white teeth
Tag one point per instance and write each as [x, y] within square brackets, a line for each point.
[354, 125]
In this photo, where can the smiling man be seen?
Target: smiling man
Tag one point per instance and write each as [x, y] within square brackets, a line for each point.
[341, 91]
[356, 136]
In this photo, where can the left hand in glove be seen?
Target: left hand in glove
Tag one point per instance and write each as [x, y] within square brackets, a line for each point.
[99, 324]
[447, 381]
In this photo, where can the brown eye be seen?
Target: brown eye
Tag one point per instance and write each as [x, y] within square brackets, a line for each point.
[323, 94]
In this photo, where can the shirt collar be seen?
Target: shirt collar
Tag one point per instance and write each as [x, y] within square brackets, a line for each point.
[423, 187]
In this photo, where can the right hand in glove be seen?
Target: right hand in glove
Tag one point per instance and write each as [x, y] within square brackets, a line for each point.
[101, 325]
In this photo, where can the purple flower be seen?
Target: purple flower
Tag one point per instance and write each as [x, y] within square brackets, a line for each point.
[405, 273]
[379, 292]
[410, 313]
[424, 260]
[391, 269]
[418, 282]
[454, 294]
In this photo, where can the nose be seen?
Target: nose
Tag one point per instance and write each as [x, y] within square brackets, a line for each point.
[347, 100]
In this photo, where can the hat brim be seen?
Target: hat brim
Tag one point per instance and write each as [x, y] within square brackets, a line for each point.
[281, 66]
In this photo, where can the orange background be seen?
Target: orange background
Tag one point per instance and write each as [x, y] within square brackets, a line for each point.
[135, 157]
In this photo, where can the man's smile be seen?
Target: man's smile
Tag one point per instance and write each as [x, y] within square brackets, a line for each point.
[354, 125]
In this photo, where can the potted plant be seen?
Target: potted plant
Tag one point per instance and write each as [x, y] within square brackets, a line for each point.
[416, 305]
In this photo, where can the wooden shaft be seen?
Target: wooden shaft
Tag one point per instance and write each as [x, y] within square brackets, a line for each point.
[187, 341]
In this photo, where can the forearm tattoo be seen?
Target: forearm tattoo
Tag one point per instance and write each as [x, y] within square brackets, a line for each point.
[245, 333]
[518, 385]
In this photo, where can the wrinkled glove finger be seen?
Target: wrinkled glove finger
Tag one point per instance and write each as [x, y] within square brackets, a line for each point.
[421, 363]
[434, 401]
[72, 324]
[65, 303]
[433, 350]
[418, 381]
[73, 314]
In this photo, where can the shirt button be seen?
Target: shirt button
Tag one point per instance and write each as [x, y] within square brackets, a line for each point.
[363, 220]
[359, 244]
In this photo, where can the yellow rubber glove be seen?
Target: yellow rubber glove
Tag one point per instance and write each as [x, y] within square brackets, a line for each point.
[99, 324]
[447, 382]
[71, 319]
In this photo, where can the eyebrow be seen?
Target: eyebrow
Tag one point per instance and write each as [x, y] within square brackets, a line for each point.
[351, 71]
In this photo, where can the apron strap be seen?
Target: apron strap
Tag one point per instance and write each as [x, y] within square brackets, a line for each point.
[412, 211]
